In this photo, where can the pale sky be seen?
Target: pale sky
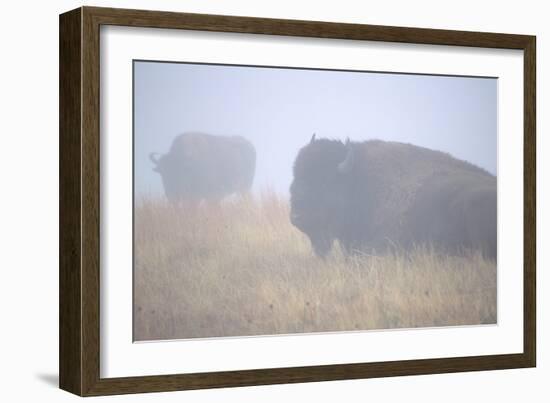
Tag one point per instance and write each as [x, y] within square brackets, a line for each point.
[279, 109]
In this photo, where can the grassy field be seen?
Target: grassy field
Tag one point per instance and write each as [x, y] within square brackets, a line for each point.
[240, 268]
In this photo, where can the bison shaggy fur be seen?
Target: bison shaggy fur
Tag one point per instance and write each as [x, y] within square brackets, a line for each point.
[374, 195]
[201, 166]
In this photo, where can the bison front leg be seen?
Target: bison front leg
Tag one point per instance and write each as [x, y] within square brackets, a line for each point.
[321, 245]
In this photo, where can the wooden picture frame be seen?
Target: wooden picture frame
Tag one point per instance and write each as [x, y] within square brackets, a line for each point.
[79, 348]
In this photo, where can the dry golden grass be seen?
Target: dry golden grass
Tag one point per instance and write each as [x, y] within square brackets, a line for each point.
[240, 268]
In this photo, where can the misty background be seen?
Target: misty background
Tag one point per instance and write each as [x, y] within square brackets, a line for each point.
[278, 109]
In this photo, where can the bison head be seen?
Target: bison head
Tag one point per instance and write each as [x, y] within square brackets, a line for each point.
[319, 193]
[168, 168]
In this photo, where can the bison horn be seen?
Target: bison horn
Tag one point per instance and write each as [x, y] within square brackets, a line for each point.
[154, 157]
[346, 165]
[312, 138]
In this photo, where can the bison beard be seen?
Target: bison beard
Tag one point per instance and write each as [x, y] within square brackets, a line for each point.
[375, 195]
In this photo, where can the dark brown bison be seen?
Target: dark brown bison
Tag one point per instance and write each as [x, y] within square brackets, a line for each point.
[374, 194]
[202, 166]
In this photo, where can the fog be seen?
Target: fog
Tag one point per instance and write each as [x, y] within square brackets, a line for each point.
[279, 109]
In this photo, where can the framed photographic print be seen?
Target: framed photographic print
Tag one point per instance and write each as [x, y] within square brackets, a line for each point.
[249, 201]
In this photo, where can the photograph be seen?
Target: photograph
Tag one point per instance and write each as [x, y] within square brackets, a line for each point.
[273, 200]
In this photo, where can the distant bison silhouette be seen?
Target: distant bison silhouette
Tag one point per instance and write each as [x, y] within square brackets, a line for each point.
[202, 166]
[374, 194]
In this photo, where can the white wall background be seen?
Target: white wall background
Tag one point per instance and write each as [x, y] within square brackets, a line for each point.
[29, 202]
